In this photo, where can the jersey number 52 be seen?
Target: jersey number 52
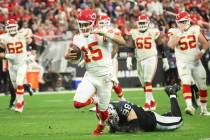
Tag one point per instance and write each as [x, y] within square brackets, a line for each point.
[186, 42]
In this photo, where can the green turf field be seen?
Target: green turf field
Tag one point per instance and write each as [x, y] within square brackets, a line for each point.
[52, 117]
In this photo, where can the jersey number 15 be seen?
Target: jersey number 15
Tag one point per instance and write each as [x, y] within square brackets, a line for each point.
[96, 54]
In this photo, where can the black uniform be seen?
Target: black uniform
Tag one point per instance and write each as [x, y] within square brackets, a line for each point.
[146, 120]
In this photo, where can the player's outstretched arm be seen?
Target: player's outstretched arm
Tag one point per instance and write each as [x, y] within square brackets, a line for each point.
[117, 38]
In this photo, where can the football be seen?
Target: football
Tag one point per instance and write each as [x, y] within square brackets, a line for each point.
[76, 50]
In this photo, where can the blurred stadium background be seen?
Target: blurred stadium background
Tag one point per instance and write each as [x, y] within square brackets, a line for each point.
[53, 23]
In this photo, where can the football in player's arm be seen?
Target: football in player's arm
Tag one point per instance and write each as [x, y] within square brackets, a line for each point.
[97, 55]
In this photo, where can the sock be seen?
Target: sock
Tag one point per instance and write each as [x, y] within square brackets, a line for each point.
[203, 99]
[19, 94]
[148, 92]
[187, 95]
[103, 116]
[118, 90]
[80, 105]
[175, 109]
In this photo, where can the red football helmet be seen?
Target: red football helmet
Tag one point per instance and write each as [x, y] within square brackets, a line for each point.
[11, 26]
[143, 22]
[86, 21]
[104, 20]
[183, 20]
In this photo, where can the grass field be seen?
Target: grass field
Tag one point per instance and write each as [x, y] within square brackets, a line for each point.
[52, 117]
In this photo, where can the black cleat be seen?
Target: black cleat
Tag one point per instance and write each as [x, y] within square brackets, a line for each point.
[28, 88]
[172, 90]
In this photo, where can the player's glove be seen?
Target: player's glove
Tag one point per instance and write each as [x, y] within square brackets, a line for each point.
[129, 63]
[165, 64]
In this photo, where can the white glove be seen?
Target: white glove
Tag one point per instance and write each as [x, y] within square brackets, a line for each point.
[129, 63]
[165, 64]
[81, 63]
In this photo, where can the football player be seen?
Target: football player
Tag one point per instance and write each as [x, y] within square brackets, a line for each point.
[145, 40]
[15, 45]
[104, 21]
[128, 117]
[185, 40]
[93, 42]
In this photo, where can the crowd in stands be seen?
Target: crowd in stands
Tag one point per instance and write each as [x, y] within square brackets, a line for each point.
[55, 17]
[52, 19]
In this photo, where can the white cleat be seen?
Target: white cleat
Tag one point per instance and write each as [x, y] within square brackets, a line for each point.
[19, 106]
[93, 109]
[190, 110]
[205, 113]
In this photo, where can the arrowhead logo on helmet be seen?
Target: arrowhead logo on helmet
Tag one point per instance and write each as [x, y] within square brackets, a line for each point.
[11, 27]
[86, 21]
[143, 22]
[183, 20]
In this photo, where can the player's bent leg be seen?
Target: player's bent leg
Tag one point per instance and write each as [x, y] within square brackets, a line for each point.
[173, 119]
[188, 99]
[104, 95]
[200, 79]
[203, 100]
[165, 123]
[149, 69]
[84, 93]
[19, 98]
[175, 109]
[150, 103]
[21, 73]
